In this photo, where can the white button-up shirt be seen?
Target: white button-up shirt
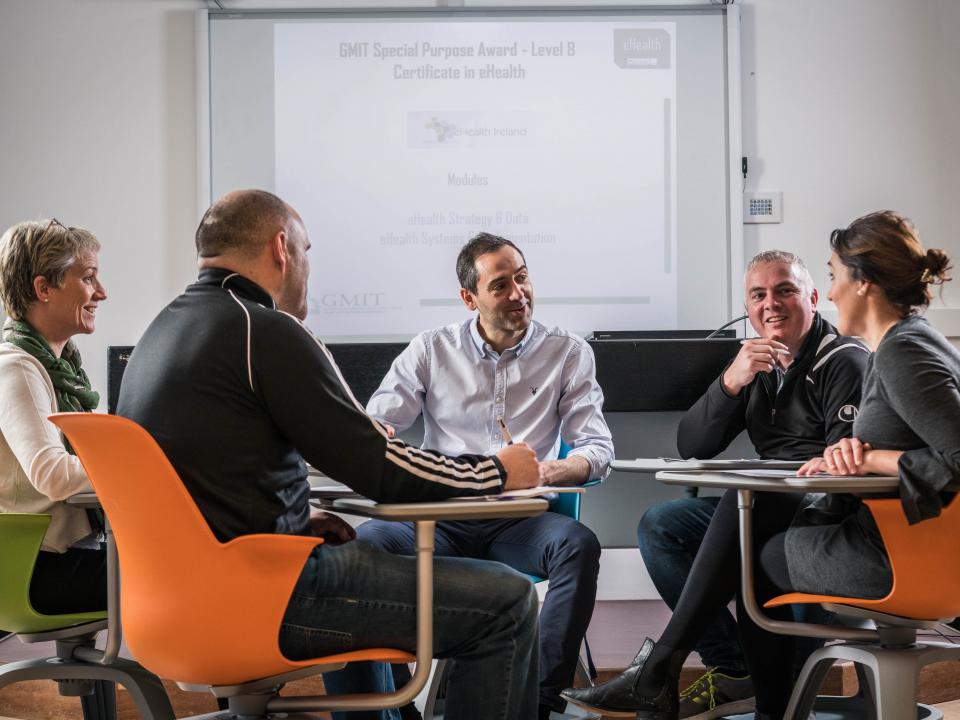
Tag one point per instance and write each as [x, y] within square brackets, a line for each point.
[544, 388]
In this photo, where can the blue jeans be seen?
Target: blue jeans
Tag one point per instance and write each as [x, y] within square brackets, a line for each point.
[550, 546]
[354, 596]
[669, 536]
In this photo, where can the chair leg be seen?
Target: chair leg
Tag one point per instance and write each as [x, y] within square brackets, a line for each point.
[896, 676]
[811, 677]
[591, 668]
[144, 687]
[433, 707]
[101, 704]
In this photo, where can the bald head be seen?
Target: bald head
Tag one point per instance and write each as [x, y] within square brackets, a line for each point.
[241, 223]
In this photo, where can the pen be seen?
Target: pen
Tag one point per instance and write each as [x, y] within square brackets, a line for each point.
[504, 431]
[779, 351]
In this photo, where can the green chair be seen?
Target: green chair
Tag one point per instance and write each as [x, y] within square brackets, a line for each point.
[78, 666]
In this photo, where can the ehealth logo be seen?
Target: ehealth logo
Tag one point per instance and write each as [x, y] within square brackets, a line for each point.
[641, 48]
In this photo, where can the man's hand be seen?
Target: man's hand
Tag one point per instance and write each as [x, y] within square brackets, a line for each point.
[520, 462]
[757, 355]
[332, 528]
[569, 471]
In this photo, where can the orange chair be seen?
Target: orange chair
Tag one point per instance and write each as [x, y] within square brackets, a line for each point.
[888, 659]
[204, 613]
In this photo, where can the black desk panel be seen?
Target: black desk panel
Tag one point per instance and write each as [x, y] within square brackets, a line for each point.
[655, 375]
[645, 375]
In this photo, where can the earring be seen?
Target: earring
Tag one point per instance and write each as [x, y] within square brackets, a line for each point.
[860, 292]
[46, 299]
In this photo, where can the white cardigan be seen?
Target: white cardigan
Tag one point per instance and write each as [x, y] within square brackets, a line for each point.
[36, 471]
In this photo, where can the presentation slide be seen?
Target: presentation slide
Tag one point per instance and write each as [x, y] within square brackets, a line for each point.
[398, 142]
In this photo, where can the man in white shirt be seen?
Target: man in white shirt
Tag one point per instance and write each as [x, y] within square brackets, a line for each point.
[542, 383]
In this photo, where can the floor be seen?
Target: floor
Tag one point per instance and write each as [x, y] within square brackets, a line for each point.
[616, 632]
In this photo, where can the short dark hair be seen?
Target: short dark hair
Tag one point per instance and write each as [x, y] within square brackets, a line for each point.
[475, 247]
[240, 222]
[883, 248]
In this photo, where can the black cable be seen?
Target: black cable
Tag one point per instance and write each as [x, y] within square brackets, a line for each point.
[726, 325]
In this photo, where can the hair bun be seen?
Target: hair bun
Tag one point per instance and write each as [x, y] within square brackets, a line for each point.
[935, 265]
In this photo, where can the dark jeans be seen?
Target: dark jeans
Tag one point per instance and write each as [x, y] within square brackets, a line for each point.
[669, 536]
[70, 582]
[354, 596]
[549, 546]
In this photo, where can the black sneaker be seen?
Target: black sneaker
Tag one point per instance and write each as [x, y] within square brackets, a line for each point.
[715, 695]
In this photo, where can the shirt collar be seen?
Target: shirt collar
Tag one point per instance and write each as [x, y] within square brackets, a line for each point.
[230, 280]
[483, 347]
[811, 341]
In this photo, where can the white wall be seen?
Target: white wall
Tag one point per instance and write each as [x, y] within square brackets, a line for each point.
[97, 128]
[852, 106]
[849, 106]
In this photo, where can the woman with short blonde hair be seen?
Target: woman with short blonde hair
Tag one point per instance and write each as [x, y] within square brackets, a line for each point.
[50, 290]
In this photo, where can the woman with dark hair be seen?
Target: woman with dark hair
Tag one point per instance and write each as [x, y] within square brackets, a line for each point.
[908, 425]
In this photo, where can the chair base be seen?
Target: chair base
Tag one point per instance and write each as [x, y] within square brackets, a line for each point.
[887, 676]
[852, 708]
[144, 687]
[436, 695]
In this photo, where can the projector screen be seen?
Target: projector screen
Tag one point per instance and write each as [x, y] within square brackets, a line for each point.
[597, 142]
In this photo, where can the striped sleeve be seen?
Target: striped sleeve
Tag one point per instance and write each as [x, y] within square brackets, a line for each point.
[309, 399]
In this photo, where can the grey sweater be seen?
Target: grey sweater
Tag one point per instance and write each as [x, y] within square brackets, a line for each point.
[910, 402]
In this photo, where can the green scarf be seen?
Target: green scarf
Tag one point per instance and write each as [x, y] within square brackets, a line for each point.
[70, 383]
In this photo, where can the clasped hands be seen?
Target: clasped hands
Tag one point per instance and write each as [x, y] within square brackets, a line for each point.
[847, 456]
[850, 456]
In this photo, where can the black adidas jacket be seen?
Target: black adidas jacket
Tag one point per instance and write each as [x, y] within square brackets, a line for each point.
[237, 394]
[815, 406]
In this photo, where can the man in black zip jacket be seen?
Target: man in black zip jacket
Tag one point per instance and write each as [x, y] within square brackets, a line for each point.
[237, 392]
[795, 389]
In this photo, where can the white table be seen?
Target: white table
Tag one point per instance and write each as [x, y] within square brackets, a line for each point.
[745, 487]
[678, 465]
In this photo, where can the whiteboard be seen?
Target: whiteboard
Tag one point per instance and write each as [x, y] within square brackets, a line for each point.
[600, 141]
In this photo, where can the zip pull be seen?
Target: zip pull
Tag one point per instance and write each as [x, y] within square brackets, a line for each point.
[773, 416]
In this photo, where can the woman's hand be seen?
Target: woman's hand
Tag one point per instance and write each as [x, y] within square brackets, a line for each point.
[845, 457]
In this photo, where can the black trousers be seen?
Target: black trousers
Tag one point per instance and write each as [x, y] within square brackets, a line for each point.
[715, 579]
[69, 582]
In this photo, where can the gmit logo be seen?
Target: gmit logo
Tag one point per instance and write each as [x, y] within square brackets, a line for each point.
[357, 49]
[352, 300]
[848, 413]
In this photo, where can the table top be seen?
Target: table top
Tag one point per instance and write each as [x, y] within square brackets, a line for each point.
[815, 483]
[470, 509]
[647, 465]
[84, 500]
[343, 499]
